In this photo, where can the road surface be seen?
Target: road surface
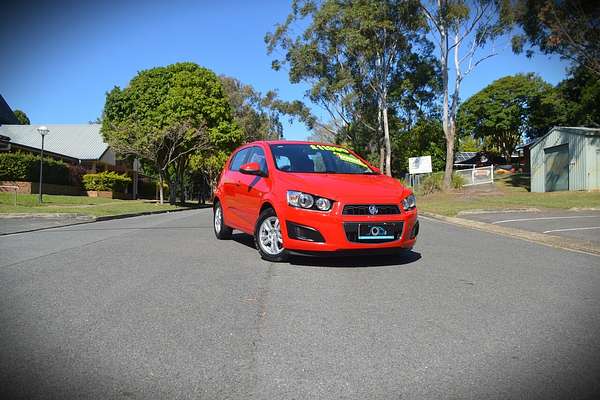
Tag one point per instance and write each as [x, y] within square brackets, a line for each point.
[154, 307]
[582, 225]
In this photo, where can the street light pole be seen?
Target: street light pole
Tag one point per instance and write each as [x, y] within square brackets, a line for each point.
[43, 132]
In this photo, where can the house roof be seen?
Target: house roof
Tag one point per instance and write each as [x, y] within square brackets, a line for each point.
[83, 141]
[463, 156]
[6, 114]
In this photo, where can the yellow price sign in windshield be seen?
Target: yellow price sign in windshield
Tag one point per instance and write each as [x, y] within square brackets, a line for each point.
[329, 148]
[351, 159]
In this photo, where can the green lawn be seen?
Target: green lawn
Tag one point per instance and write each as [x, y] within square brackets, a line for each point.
[92, 206]
[506, 193]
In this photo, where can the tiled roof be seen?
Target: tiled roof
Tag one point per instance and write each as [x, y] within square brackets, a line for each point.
[83, 142]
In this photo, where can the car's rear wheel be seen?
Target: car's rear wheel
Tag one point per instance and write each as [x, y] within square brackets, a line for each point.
[268, 237]
[222, 231]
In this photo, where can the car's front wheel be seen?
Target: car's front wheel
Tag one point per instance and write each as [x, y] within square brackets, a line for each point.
[222, 231]
[268, 237]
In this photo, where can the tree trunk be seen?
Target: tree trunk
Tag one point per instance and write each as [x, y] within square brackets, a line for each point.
[449, 158]
[381, 158]
[172, 191]
[201, 199]
[182, 182]
[160, 186]
[445, 112]
[388, 145]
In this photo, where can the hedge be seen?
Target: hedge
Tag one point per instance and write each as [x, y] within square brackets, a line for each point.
[107, 180]
[26, 167]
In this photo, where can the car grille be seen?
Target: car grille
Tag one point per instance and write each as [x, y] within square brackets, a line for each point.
[351, 229]
[363, 209]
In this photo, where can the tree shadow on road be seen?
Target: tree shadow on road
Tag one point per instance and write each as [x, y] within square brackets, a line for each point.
[337, 261]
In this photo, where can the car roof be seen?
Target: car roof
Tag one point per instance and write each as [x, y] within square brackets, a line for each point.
[269, 142]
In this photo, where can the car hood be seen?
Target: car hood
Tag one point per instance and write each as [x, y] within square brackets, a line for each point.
[347, 187]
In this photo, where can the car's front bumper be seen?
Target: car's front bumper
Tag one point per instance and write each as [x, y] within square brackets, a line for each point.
[331, 226]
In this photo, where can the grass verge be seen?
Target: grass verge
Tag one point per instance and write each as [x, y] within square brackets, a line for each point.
[506, 193]
[91, 206]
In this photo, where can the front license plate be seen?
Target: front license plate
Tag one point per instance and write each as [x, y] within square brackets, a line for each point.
[375, 232]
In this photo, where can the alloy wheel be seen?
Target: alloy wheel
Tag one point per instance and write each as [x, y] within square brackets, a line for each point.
[269, 236]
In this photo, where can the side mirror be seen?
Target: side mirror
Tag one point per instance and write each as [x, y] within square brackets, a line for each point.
[376, 169]
[251, 169]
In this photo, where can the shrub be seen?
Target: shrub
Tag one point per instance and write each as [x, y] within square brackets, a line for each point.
[26, 167]
[458, 181]
[76, 173]
[107, 180]
[434, 181]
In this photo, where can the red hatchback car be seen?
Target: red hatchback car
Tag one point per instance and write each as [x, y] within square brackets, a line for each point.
[312, 198]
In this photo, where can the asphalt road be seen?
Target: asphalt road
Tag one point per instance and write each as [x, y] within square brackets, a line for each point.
[13, 224]
[154, 307]
[582, 225]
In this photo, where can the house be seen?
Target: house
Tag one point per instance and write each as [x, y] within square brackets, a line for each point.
[566, 158]
[471, 159]
[80, 144]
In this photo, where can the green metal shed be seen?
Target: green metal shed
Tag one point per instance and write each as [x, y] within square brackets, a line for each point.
[566, 158]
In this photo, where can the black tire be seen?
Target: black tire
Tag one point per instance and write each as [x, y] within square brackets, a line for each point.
[222, 231]
[280, 257]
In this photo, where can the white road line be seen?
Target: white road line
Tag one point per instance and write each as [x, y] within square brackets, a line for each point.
[573, 229]
[544, 218]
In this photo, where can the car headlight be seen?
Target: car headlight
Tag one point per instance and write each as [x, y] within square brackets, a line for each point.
[323, 204]
[409, 202]
[307, 201]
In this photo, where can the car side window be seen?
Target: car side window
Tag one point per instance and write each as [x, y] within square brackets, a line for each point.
[257, 155]
[239, 159]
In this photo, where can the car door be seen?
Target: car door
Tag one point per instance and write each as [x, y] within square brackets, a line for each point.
[231, 182]
[252, 188]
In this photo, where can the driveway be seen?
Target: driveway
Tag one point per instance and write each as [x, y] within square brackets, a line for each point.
[583, 225]
[154, 307]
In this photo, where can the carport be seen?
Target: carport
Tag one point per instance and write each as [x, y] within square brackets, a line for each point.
[566, 159]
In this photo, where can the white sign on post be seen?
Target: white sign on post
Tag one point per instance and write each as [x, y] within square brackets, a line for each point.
[419, 165]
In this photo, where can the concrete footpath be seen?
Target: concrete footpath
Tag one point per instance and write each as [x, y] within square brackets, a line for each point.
[21, 223]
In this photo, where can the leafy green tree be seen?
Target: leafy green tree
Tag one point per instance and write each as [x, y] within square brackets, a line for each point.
[22, 117]
[509, 109]
[570, 28]
[581, 95]
[460, 28]
[167, 114]
[469, 144]
[259, 116]
[424, 138]
[351, 53]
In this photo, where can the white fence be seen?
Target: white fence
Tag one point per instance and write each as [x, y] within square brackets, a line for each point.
[476, 176]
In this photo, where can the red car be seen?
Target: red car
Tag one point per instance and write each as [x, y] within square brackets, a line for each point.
[312, 198]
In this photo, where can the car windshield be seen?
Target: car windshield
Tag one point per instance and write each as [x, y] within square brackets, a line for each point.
[316, 158]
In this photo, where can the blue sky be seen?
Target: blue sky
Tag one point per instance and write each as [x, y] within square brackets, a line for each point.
[60, 59]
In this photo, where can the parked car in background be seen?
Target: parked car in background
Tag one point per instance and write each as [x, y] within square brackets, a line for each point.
[312, 198]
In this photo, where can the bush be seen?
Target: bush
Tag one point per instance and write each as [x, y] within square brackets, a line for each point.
[26, 167]
[433, 182]
[76, 173]
[458, 181]
[107, 180]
